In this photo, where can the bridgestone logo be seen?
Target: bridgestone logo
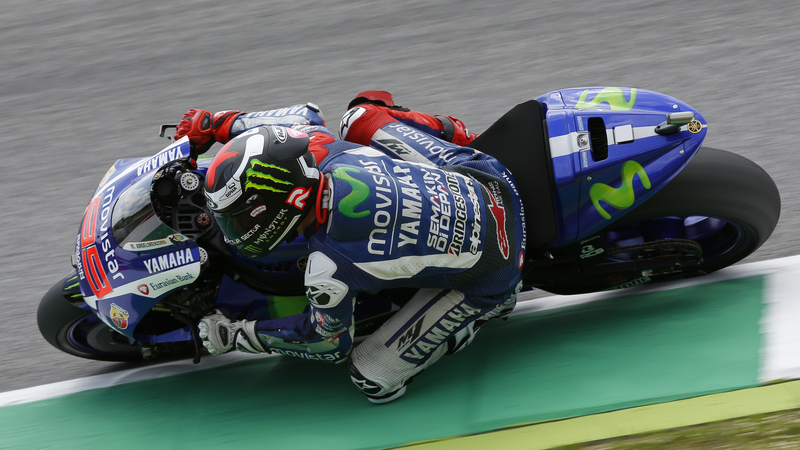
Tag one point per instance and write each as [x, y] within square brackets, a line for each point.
[460, 223]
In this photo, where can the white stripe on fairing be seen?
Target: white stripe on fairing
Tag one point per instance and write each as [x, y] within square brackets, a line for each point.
[176, 144]
[563, 145]
[132, 288]
[567, 144]
[780, 289]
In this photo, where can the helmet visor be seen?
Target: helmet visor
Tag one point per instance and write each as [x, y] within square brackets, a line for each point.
[243, 223]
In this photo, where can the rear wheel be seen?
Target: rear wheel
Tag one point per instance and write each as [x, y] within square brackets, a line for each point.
[721, 203]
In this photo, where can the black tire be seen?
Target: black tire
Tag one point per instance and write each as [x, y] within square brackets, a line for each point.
[716, 184]
[76, 331]
[720, 184]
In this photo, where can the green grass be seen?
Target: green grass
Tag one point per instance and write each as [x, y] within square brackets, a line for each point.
[780, 430]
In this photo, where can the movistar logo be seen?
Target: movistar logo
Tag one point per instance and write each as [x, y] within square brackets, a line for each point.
[623, 196]
[611, 95]
[356, 197]
[257, 178]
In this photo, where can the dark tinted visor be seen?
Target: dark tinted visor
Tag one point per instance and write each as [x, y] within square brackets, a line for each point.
[242, 223]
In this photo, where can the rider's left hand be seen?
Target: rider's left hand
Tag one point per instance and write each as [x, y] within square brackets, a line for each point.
[203, 129]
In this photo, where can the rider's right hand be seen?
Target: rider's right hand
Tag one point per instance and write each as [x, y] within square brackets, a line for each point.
[221, 335]
[203, 129]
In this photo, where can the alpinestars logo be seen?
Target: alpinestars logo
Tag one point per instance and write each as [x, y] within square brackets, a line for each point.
[362, 383]
[317, 295]
[499, 214]
[259, 179]
[348, 119]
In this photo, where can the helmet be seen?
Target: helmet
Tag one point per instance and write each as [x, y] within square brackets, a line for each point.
[260, 187]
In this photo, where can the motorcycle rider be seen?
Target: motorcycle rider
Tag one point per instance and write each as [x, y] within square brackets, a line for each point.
[399, 202]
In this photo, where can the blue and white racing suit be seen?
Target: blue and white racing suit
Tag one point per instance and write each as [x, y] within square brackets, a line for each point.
[410, 210]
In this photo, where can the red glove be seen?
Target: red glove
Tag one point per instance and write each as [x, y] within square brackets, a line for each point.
[203, 129]
[455, 131]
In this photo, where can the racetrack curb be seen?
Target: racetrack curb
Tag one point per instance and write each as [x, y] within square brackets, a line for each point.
[558, 372]
[780, 362]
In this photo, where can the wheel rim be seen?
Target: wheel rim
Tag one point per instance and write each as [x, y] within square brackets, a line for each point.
[89, 336]
[715, 235]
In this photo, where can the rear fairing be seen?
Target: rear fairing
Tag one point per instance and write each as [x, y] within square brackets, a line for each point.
[595, 188]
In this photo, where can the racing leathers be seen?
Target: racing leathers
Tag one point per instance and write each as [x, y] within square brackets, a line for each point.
[404, 209]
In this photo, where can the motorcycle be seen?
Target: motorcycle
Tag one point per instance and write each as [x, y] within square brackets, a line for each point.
[616, 188]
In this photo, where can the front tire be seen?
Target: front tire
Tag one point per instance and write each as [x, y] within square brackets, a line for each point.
[77, 331]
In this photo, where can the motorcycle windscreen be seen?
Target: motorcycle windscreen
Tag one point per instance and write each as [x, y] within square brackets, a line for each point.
[135, 224]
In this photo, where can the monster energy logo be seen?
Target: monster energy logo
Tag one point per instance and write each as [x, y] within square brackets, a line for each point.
[257, 178]
[611, 95]
[74, 280]
[356, 197]
[623, 196]
[253, 249]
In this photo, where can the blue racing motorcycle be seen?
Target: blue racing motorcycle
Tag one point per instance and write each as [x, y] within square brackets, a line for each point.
[616, 188]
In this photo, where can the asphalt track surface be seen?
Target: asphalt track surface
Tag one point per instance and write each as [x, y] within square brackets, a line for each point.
[87, 82]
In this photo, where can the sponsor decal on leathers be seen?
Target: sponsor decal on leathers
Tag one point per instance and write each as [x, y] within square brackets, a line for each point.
[498, 212]
[417, 343]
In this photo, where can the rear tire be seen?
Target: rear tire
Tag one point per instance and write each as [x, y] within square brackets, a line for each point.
[722, 201]
[720, 184]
